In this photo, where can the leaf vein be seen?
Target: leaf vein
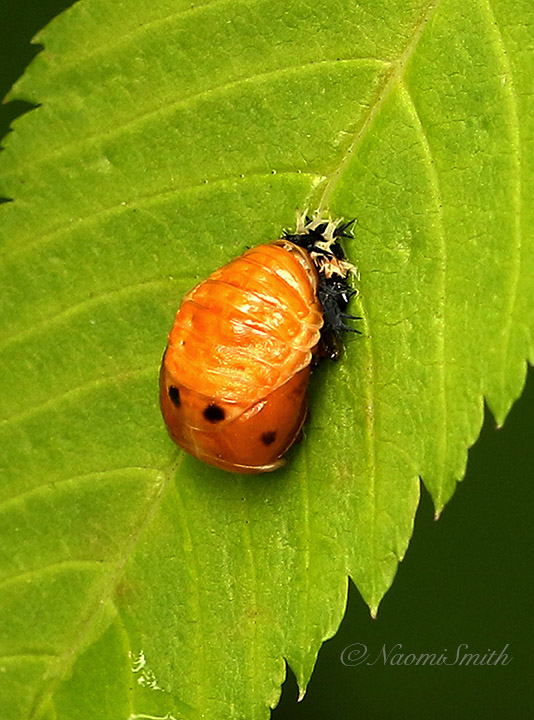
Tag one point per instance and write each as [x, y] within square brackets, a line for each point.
[397, 68]
[69, 656]
[50, 568]
[436, 194]
[65, 149]
[141, 200]
[88, 386]
[85, 304]
[126, 37]
[194, 595]
[51, 487]
[516, 139]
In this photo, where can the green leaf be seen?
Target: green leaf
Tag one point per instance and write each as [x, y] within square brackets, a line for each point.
[136, 582]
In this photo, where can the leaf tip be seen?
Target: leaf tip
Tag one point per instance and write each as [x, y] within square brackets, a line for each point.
[302, 693]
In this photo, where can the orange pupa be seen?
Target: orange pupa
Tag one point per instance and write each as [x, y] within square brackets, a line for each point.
[234, 376]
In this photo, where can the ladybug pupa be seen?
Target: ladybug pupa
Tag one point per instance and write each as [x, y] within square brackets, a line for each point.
[234, 376]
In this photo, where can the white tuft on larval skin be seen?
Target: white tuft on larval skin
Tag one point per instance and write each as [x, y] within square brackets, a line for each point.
[329, 267]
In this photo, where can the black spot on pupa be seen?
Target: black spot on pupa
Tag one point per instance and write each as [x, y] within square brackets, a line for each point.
[269, 437]
[174, 395]
[213, 413]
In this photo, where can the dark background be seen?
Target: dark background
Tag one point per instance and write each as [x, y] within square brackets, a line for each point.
[466, 579]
